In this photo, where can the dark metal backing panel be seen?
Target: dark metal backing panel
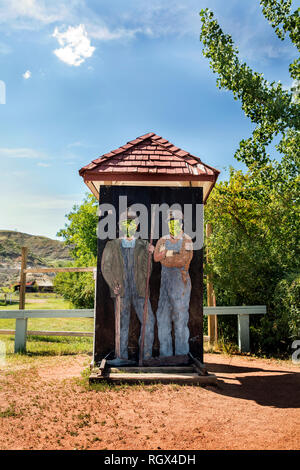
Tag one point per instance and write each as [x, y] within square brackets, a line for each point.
[104, 321]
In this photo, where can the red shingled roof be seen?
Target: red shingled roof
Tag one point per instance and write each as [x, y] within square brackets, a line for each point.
[149, 155]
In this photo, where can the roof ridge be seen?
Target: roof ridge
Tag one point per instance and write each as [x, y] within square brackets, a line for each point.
[164, 144]
[161, 143]
[121, 149]
[181, 153]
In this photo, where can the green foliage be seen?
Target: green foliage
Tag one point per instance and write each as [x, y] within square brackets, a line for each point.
[255, 216]
[255, 256]
[81, 236]
[268, 105]
[80, 233]
[78, 288]
[227, 347]
[279, 15]
[6, 290]
[276, 331]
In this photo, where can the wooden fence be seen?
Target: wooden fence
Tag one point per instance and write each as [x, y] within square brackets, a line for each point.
[21, 316]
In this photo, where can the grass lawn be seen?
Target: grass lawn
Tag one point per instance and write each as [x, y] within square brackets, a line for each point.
[37, 301]
[48, 345]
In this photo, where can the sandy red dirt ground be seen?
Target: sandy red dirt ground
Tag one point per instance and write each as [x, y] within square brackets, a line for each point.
[256, 405]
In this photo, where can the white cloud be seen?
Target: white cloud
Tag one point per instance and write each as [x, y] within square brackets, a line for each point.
[28, 14]
[26, 74]
[21, 153]
[103, 33]
[122, 21]
[44, 165]
[75, 45]
[48, 203]
[79, 143]
[76, 144]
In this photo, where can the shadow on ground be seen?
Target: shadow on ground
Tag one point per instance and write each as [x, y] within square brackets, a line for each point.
[275, 388]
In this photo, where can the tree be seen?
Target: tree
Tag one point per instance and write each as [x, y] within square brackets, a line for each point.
[279, 15]
[268, 105]
[255, 257]
[255, 216]
[6, 290]
[80, 235]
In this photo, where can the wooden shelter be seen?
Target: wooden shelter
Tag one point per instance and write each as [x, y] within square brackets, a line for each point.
[151, 170]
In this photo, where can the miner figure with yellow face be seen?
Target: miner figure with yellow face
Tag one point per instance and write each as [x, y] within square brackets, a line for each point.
[175, 252]
[124, 267]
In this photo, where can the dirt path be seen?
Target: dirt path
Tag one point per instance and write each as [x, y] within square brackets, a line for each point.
[255, 406]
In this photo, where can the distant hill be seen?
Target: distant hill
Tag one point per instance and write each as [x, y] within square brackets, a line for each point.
[42, 251]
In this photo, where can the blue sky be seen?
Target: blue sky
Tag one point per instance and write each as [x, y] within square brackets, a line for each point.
[85, 76]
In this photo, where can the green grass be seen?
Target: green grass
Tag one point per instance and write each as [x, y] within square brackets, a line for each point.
[9, 412]
[52, 324]
[105, 386]
[52, 345]
[50, 301]
[48, 345]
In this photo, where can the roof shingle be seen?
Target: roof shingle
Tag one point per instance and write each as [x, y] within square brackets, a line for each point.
[149, 153]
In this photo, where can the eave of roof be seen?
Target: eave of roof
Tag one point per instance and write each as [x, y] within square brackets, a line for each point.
[149, 157]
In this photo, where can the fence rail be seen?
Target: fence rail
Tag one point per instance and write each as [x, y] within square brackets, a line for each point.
[45, 313]
[49, 333]
[21, 317]
[59, 270]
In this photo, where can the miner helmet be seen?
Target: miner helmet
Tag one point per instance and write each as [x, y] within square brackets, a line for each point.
[175, 214]
[129, 214]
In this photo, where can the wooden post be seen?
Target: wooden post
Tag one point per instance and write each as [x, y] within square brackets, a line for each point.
[20, 335]
[243, 333]
[118, 326]
[95, 291]
[211, 298]
[23, 277]
[21, 323]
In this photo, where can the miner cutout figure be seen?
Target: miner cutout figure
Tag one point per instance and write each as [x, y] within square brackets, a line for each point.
[175, 252]
[124, 268]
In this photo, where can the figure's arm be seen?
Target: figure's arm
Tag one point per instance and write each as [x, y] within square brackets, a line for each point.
[160, 251]
[181, 259]
[143, 257]
[107, 266]
[188, 253]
